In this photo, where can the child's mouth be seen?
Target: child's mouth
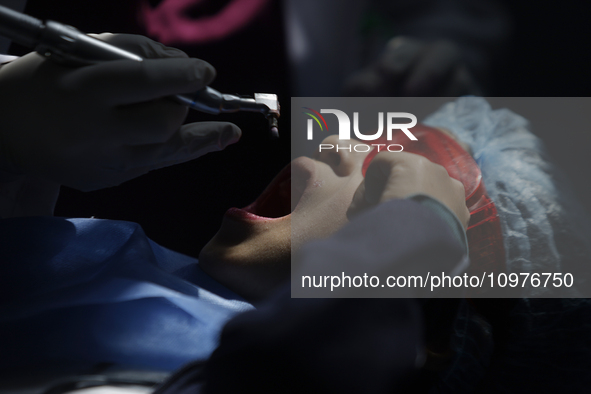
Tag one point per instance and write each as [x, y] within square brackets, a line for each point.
[278, 200]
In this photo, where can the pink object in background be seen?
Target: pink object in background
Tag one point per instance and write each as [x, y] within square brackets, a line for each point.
[170, 24]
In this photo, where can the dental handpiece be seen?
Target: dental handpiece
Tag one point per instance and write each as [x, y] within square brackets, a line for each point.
[67, 45]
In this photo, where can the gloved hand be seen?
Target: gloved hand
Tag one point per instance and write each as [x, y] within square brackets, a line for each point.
[399, 175]
[101, 125]
[411, 67]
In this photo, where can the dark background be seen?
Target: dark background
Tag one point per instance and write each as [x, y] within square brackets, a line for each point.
[181, 207]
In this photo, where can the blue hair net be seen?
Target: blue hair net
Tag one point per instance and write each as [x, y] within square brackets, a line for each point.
[542, 345]
[545, 228]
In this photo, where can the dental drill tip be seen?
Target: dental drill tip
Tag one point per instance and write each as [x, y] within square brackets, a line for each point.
[274, 127]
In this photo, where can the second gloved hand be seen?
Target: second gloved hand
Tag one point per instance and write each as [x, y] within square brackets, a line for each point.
[400, 175]
[101, 125]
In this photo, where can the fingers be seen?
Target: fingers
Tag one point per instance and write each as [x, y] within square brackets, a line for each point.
[358, 203]
[205, 137]
[190, 142]
[400, 175]
[379, 178]
[148, 123]
[126, 82]
[140, 45]
[391, 176]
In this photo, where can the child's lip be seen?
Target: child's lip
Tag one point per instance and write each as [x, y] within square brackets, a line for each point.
[244, 215]
[297, 176]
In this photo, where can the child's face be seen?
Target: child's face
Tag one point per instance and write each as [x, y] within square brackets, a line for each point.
[307, 200]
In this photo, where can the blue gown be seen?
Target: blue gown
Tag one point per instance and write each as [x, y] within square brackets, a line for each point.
[75, 293]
